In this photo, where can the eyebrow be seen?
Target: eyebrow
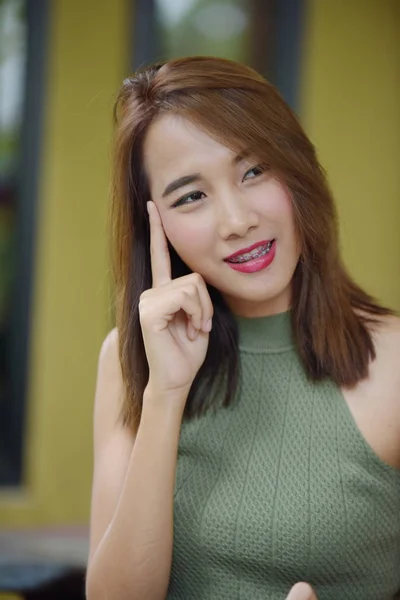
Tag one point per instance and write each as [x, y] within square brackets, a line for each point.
[195, 177]
[181, 182]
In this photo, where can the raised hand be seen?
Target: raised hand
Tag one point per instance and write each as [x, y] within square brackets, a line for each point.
[302, 591]
[176, 318]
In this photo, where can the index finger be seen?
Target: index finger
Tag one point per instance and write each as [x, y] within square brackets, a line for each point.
[159, 254]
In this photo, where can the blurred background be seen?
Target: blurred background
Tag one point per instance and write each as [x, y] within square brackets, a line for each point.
[337, 62]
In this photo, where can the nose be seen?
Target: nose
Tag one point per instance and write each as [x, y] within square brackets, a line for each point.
[235, 217]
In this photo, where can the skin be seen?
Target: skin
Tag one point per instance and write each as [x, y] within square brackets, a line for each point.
[233, 213]
[231, 207]
[235, 207]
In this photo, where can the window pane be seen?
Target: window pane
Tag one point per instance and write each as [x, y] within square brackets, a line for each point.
[13, 54]
[204, 27]
[265, 34]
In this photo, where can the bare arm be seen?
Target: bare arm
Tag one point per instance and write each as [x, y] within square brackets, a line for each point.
[132, 499]
[132, 505]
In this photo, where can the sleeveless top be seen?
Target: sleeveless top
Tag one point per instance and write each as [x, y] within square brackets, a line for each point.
[282, 487]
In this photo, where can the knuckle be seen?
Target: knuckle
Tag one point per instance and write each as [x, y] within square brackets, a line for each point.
[187, 289]
[143, 307]
[146, 301]
[144, 318]
[197, 279]
[192, 289]
[143, 296]
[185, 293]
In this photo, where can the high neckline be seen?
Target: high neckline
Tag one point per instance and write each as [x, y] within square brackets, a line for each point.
[266, 334]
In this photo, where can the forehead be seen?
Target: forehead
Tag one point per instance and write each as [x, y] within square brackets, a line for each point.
[176, 145]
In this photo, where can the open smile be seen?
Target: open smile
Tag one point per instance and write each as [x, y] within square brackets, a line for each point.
[256, 259]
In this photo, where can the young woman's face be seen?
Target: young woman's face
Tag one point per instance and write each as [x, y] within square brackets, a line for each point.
[213, 204]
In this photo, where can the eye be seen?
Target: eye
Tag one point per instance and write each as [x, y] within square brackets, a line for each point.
[254, 172]
[189, 199]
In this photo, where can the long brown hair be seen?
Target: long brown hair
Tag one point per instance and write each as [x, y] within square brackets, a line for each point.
[331, 314]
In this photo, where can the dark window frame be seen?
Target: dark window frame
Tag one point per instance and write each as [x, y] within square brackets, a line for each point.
[29, 171]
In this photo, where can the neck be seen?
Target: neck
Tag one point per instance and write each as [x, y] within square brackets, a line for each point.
[272, 333]
[251, 310]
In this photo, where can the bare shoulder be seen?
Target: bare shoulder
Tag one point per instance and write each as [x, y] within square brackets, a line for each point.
[375, 401]
[109, 395]
[109, 369]
[386, 336]
[386, 366]
[109, 349]
[113, 441]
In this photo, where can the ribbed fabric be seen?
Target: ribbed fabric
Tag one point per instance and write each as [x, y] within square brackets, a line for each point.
[282, 487]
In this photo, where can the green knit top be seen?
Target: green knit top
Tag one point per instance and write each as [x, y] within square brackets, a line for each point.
[282, 487]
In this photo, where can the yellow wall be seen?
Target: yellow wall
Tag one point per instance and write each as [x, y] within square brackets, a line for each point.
[351, 99]
[351, 110]
[88, 57]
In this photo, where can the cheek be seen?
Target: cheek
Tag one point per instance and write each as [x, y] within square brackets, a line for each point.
[280, 203]
[188, 238]
[279, 207]
[285, 214]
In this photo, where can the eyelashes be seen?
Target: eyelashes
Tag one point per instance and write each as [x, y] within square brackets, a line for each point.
[197, 195]
[258, 168]
[189, 198]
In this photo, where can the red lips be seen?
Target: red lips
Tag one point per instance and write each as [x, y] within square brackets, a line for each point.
[248, 249]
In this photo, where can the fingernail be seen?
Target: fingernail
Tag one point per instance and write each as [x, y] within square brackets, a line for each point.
[207, 326]
[301, 591]
[148, 206]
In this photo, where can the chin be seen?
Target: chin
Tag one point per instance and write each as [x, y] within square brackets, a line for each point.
[277, 300]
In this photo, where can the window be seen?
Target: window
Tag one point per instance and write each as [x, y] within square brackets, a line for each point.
[21, 88]
[266, 34]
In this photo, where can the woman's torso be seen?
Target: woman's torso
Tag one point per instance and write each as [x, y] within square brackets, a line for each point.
[283, 486]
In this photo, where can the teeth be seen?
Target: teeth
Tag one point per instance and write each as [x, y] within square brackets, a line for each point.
[256, 253]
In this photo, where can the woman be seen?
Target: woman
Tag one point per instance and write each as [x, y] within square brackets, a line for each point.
[247, 413]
